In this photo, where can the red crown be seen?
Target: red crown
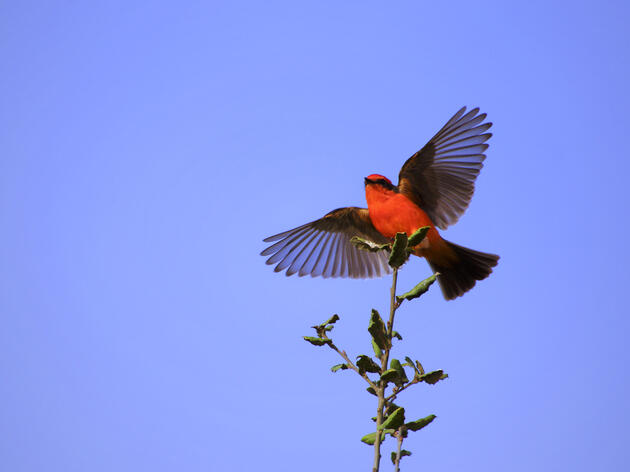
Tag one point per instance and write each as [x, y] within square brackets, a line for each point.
[378, 177]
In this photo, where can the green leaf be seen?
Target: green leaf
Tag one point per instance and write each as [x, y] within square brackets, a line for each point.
[396, 334]
[417, 237]
[377, 330]
[367, 245]
[372, 391]
[395, 364]
[410, 363]
[403, 453]
[370, 439]
[393, 421]
[419, 424]
[433, 377]
[391, 375]
[399, 253]
[366, 364]
[337, 367]
[317, 341]
[391, 407]
[417, 367]
[419, 289]
[377, 350]
[333, 319]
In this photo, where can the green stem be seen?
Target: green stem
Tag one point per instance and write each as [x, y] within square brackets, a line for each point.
[392, 309]
[400, 441]
[381, 385]
[379, 421]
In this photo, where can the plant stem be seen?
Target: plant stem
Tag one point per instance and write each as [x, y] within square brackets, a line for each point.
[400, 441]
[351, 365]
[392, 309]
[379, 421]
[384, 362]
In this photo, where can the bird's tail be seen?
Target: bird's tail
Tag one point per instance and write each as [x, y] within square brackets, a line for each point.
[459, 273]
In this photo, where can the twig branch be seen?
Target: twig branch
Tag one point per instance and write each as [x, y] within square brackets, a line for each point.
[397, 390]
[351, 365]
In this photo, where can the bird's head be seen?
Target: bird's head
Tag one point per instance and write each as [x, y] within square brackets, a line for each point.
[378, 189]
[380, 181]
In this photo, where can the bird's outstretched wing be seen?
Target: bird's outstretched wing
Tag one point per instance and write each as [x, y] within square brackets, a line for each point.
[440, 177]
[323, 247]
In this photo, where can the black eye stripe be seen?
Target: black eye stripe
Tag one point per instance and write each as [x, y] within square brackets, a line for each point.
[384, 183]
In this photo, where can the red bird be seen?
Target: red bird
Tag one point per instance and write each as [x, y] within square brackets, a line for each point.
[434, 189]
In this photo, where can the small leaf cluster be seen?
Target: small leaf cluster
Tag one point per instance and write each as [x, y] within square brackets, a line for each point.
[395, 425]
[321, 331]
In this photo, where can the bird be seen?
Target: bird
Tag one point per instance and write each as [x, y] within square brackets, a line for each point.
[435, 186]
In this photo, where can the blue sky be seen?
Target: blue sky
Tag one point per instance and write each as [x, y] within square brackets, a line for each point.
[146, 149]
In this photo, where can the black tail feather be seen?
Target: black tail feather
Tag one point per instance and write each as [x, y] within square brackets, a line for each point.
[459, 277]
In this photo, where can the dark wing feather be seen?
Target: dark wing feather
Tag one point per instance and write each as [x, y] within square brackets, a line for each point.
[323, 247]
[440, 178]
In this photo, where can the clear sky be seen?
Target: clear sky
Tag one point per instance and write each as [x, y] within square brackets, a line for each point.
[147, 148]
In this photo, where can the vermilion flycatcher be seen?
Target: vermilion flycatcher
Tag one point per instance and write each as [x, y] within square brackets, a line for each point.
[434, 189]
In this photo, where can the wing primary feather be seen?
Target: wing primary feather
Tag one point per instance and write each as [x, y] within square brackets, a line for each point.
[339, 257]
[349, 261]
[360, 269]
[306, 267]
[370, 265]
[291, 249]
[275, 237]
[354, 269]
[466, 125]
[472, 150]
[296, 259]
[325, 249]
[477, 130]
[330, 263]
[447, 166]
[454, 118]
[465, 122]
[329, 270]
[452, 124]
[280, 251]
[373, 261]
[343, 263]
[466, 141]
[280, 245]
[367, 261]
[344, 267]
